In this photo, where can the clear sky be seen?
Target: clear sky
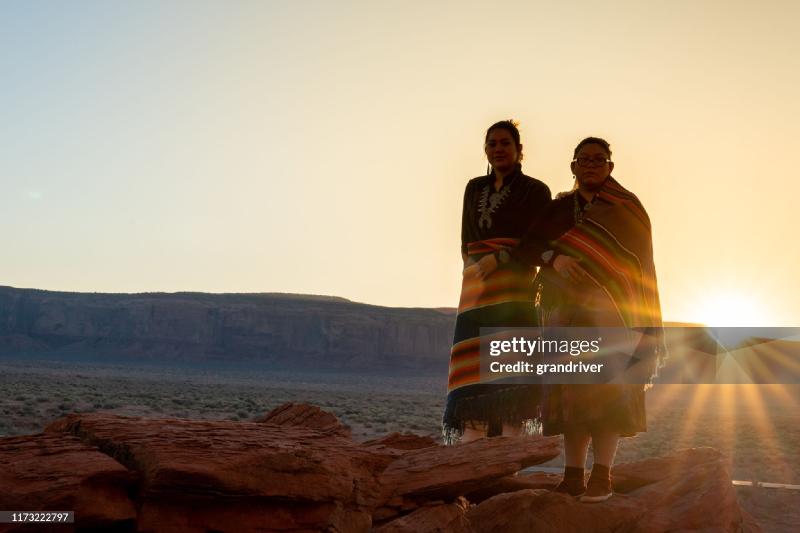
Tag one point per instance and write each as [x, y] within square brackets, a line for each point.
[323, 147]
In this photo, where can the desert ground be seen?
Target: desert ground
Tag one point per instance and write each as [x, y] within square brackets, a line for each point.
[756, 427]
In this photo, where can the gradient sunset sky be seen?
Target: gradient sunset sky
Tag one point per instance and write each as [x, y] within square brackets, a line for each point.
[323, 147]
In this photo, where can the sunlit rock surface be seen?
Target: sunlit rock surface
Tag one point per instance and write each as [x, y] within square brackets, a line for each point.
[297, 469]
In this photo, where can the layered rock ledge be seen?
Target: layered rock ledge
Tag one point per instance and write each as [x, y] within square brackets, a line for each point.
[298, 470]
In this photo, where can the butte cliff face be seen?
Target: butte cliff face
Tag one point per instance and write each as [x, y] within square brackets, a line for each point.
[291, 331]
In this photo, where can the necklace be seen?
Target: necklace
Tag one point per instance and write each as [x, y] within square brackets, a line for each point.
[489, 204]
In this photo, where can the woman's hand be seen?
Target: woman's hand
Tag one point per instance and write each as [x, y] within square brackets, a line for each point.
[483, 268]
[569, 267]
[486, 265]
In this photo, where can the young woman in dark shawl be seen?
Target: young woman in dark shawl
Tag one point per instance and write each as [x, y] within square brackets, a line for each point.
[497, 210]
[596, 241]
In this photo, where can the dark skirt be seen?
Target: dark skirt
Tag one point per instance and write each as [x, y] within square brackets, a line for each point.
[619, 408]
[616, 407]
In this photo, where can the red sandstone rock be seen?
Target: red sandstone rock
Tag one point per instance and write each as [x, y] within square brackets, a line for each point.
[442, 518]
[403, 441]
[201, 515]
[450, 471]
[688, 490]
[250, 476]
[308, 416]
[695, 492]
[199, 476]
[57, 472]
[381, 514]
[223, 457]
[545, 511]
[531, 480]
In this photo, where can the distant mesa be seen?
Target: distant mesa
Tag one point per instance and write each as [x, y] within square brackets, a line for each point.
[284, 331]
[297, 471]
[294, 332]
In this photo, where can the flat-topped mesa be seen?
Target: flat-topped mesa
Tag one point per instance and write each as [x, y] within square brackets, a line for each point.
[293, 332]
[298, 470]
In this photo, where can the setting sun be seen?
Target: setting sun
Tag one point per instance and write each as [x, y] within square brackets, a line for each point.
[731, 308]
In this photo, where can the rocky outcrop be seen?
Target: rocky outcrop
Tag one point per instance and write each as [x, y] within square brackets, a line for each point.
[309, 416]
[444, 473]
[295, 471]
[288, 331]
[60, 473]
[689, 490]
[441, 518]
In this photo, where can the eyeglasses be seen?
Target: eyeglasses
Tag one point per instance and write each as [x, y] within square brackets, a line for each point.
[591, 161]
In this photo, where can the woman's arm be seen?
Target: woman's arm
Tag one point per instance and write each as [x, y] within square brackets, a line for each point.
[534, 248]
[465, 223]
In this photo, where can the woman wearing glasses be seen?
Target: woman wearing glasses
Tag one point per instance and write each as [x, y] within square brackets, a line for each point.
[497, 210]
[597, 242]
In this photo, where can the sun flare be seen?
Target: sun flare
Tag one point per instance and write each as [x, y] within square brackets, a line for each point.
[731, 309]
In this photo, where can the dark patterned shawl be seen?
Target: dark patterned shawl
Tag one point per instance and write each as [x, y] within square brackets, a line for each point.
[615, 246]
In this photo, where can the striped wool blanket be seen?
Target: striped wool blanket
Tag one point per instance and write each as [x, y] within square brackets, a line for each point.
[503, 300]
[614, 243]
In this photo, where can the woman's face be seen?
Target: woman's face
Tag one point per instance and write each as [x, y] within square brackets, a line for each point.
[501, 151]
[591, 166]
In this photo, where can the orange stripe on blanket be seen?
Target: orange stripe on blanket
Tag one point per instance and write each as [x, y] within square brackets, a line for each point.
[600, 256]
[465, 347]
[466, 376]
[501, 286]
[491, 245]
[520, 296]
[465, 363]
